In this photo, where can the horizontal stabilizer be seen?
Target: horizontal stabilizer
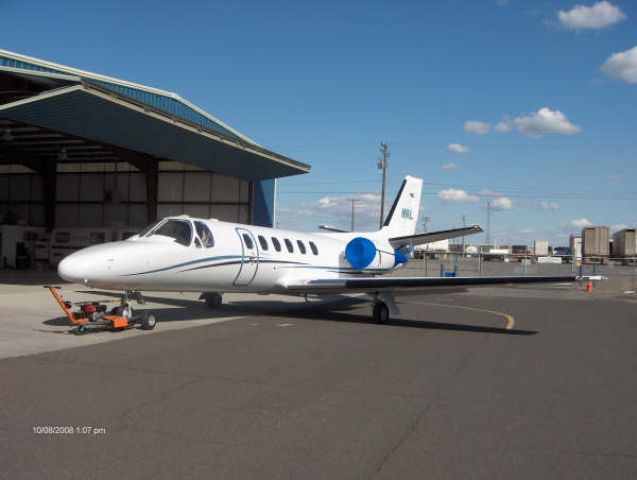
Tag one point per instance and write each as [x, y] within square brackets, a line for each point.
[331, 228]
[422, 238]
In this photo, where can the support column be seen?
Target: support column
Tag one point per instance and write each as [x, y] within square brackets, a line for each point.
[48, 170]
[151, 189]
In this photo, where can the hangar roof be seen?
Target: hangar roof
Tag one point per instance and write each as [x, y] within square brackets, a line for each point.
[135, 117]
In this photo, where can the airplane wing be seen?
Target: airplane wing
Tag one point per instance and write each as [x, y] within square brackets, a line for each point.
[404, 284]
[421, 238]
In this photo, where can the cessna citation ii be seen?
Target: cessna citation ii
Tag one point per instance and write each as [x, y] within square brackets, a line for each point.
[205, 255]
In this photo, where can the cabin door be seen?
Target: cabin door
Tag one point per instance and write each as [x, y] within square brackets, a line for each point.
[249, 258]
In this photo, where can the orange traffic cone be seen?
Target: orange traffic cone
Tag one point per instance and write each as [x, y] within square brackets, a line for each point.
[589, 286]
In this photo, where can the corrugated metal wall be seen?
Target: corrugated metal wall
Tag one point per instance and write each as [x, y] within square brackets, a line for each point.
[91, 195]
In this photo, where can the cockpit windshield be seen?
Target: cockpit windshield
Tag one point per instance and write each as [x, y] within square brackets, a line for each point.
[180, 230]
[147, 229]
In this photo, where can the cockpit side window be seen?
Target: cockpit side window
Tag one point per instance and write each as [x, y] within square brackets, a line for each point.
[205, 234]
[180, 230]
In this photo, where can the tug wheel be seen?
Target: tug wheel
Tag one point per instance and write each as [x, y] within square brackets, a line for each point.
[148, 321]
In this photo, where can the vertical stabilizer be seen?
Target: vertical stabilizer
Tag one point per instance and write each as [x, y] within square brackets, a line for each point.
[402, 217]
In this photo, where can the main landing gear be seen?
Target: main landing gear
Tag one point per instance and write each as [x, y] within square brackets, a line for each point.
[383, 304]
[212, 299]
[381, 312]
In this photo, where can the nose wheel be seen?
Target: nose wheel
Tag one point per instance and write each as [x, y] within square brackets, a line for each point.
[212, 299]
[380, 313]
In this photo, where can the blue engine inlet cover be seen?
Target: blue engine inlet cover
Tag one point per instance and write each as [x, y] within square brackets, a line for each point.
[360, 252]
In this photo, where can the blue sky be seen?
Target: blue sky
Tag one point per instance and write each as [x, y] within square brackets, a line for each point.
[325, 82]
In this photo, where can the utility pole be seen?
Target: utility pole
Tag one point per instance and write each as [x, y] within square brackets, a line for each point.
[353, 200]
[425, 221]
[488, 239]
[464, 224]
[382, 165]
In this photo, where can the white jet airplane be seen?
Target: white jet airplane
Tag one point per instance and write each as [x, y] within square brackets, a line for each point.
[205, 255]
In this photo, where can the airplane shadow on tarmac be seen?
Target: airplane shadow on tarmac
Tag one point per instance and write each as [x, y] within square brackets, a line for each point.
[343, 310]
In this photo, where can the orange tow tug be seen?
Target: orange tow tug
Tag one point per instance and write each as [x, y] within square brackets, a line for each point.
[93, 315]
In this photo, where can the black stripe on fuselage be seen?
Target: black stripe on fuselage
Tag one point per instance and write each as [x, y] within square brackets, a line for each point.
[239, 262]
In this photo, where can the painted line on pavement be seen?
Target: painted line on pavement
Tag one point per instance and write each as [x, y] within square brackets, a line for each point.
[509, 318]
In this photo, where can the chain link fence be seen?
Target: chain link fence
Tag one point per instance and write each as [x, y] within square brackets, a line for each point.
[617, 274]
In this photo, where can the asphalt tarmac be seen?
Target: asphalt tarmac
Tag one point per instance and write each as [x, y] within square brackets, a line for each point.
[461, 386]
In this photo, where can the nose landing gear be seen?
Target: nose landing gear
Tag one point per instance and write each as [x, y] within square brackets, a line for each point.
[212, 299]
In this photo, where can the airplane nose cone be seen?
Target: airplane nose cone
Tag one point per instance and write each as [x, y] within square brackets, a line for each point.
[73, 269]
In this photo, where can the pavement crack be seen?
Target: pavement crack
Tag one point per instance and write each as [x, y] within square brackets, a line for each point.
[428, 406]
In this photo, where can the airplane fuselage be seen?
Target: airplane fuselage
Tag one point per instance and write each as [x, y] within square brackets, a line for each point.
[220, 257]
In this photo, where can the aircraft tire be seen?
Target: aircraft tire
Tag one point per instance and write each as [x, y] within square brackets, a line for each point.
[148, 321]
[380, 313]
[213, 299]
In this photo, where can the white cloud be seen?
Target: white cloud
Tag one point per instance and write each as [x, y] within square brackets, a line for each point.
[450, 166]
[501, 203]
[527, 231]
[295, 212]
[614, 176]
[580, 223]
[548, 206]
[336, 204]
[535, 124]
[475, 126]
[454, 195]
[503, 127]
[371, 198]
[622, 65]
[543, 122]
[616, 228]
[457, 148]
[335, 210]
[599, 15]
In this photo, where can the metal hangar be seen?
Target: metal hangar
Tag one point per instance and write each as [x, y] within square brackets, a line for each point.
[96, 157]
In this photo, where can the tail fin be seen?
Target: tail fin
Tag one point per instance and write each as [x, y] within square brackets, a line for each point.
[403, 215]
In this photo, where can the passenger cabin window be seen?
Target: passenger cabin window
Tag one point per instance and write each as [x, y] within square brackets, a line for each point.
[179, 230]
[289, 246]
[263, 242]
[248, 241]
[277, 245]
[205, 234]
[314, 249]
[301, 246]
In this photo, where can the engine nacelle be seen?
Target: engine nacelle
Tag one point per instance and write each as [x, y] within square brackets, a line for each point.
[362, 254]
